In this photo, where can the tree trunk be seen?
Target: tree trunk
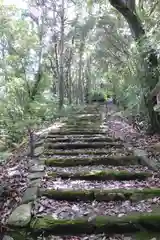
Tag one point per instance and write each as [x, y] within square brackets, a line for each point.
[80, 95]
[88, 82]
[149, 57]
[70, 86]
[31, 142]
[61, 75]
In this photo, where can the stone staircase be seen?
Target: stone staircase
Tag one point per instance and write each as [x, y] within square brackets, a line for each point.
[87, 185]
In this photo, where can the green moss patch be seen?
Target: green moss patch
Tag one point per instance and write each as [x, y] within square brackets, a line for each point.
[115, 161]
[18, 234]
[74, 132]
[84, 126]
[101, 195]
[100, 224]
[76, 152]
[82, 145]
[47, 223]
[70, 139]
[63, 135]
[80, 122]
[83, 118]
[68, 195]
[102, 175]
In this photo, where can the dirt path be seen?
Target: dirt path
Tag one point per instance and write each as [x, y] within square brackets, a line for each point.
[87, 184]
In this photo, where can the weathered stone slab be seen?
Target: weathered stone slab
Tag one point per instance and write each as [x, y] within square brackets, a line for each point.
[39, 161]
[35, 183]
[38, 151]
[30, 194]
[144, 160]
[35, 175]
[14, 173]
[39, 143]
[37, 168]
[21, 216]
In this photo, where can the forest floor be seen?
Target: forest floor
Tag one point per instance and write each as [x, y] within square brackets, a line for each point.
[73, 149]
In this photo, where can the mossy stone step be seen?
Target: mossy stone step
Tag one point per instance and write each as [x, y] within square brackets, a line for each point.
[82, 145]
[83, 129]
[77, 152]
[68, 139]
[82, 122]
[100, 195]
[85, 116]
[75, 132]
[102, 175]
[61, 135]
[100, 224]
[114, 161]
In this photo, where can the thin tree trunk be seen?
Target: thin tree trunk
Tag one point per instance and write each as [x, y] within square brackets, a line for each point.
[70, 86]
[80, 95]
[88, 82]
[61, 72]
[31, 142]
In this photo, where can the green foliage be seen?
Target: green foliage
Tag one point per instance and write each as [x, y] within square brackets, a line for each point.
[98, 48]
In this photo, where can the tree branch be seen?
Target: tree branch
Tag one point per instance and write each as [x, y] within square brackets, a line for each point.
[128, 11]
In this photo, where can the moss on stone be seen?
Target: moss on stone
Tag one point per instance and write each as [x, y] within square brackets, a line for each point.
[77, 139]
[128, 223]
[82, 145]
[100, 224]
[75, 136]
[83, 120]
[101, 195]
[47, 223]
[75, 132]
[146, 236]
[115, 161]
[18, 234]
[84, 127]
[102, 175]
[75, 152]
[68, 195]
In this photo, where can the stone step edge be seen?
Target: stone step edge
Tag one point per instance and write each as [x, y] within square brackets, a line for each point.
[80, 145]
[61, 135]
[144, 160]
[22, 215]
[76, 152]
[98, 224]
[74, 132]
[101, 175]
[100, 195]
[90, 139]
[114, 161]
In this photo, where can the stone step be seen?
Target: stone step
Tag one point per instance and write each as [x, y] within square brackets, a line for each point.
[61, 135]
[70, 139]
[85, 152]
[85, 116]
[147, 236]
[101, 175]
[95, 168]
[82, 121]
[82, 145]
[131, 223]
[82, 127]
[115, 161]
[75, 132]
[99, 195]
